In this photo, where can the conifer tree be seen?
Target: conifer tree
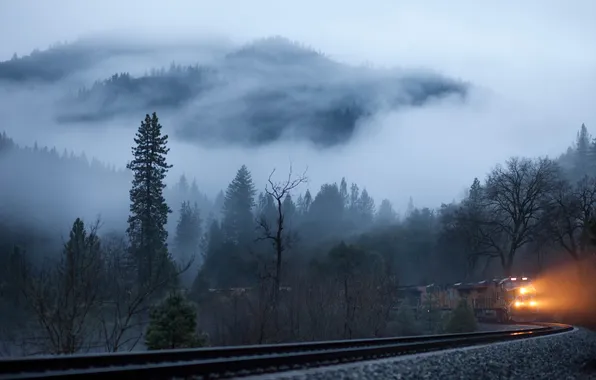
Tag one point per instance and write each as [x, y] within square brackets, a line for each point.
[582, 153]
[289, 208]
[386, 214]
[194, 192]
[183, 187]
[173, 324]
[267, 208]
[238, 223]
[188, 232]
[218, 204]
[212, 241]
[354, 197]
[366, 206]
[306, 202]
[343, 191]
[410, 208]
[148, 209]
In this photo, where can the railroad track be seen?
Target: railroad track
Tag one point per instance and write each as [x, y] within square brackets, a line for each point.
[226, 362]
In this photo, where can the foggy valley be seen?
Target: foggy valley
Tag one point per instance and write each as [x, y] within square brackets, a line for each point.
[286, 181]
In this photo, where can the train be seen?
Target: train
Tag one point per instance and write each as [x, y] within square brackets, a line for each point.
[502, 300]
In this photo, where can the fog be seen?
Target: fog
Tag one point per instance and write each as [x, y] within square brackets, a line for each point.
[531, 67]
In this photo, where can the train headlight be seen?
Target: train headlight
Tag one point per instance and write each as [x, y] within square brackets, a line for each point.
[523, 290]
[518, 303]
[533, 303]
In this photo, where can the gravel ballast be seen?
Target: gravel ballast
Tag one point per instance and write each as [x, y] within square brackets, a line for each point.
[569, 355]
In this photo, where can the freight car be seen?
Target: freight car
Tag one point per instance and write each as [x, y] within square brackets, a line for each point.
[497, 300]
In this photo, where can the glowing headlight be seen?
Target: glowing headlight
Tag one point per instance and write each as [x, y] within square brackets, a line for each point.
[518, 304]
[532, 303]
[523, 290]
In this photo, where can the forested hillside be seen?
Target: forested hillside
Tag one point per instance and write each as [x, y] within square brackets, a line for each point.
[264, 262]
[269, 90]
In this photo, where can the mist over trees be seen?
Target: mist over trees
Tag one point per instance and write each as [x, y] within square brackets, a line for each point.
[268, 262]
[249, 95]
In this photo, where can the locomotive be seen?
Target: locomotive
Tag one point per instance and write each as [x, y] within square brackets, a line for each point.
[511, 299]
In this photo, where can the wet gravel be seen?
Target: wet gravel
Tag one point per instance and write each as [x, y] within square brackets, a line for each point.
[570, 355]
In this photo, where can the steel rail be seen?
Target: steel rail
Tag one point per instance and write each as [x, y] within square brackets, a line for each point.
[244, 360]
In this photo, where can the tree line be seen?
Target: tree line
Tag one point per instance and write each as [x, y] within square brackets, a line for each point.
[281, 264]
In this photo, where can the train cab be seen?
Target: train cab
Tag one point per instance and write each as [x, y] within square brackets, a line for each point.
[520, 296]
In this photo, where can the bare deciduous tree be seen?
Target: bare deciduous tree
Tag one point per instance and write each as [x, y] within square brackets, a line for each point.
[65, 296]
[514, 201]
[280, 241]
[126, 304]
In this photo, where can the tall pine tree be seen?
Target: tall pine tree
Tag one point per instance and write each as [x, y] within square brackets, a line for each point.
[148, 209]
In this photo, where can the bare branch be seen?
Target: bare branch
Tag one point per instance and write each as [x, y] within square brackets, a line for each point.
[280, 241]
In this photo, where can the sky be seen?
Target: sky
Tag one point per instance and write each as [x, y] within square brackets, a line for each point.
[532, 63]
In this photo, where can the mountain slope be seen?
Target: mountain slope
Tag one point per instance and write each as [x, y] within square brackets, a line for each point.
[269, 90]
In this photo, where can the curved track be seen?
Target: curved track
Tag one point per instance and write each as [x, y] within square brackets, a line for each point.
[246, 360]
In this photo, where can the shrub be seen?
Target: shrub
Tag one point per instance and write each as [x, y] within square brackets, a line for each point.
[462, 319]
[173, 324]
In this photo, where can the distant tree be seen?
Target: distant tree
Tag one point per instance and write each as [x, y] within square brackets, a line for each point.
[289, 208]
[188, 230]
[326, 213]
[188, 233]
[385, 213]
[148, 210]
[420, 240]
[238, 220]
[213, 239]
[410, 208]
[304, 202]
[194, 190]
[464, 230]
[221, 262]
[366, 208]
[354, 199]
[218, 204]
[343, 191]
[266, 208]
[455, 239]
[173, 324]
[582, 163]
[182, 186]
